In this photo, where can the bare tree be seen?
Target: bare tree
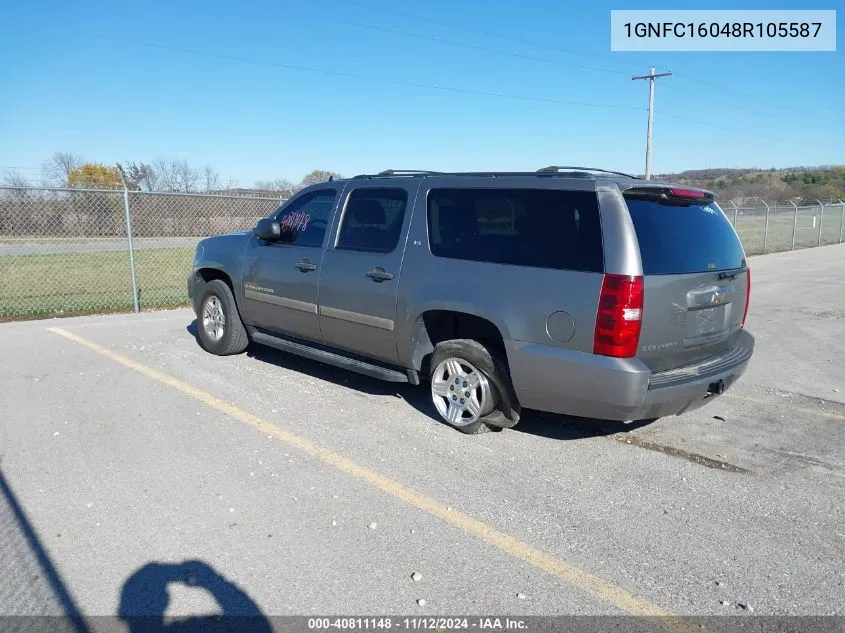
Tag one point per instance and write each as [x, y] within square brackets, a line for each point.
[176, 175]
[279, 185]
[13, 178]
[141, 176]
[211, 179]
[318, 176]
[56, 169]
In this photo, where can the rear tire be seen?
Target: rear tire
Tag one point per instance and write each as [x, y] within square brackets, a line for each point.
[221, 331]
[466, 383]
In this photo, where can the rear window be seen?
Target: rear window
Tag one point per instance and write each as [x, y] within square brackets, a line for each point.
[542, 228]
[684, 239]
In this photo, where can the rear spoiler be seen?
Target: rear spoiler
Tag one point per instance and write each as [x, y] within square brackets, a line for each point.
[668, 195]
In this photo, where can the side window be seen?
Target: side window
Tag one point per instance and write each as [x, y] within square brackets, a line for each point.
[543, 228]
[373, 220]
[306, 219]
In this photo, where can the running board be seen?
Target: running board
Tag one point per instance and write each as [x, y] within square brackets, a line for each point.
[330, 358]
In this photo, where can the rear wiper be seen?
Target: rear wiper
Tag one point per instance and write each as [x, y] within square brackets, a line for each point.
[731, 274]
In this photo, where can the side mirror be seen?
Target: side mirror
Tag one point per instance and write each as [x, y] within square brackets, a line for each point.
[268, 230]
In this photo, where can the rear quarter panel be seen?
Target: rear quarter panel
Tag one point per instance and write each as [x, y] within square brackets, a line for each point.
[518, 300]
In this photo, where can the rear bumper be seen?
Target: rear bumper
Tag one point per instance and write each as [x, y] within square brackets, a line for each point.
[573, 383]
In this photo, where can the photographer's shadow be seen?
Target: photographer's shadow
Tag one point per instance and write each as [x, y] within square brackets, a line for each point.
[145, 598]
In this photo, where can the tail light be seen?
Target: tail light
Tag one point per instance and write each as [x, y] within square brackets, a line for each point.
[619, 317]
[694, 194]
[747, 296]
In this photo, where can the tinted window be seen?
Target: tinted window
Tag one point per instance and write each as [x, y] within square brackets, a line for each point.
[691, 239]
[373, 220]
[544, 228]
[305, 219]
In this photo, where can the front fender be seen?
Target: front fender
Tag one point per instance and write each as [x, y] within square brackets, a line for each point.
[223, 254]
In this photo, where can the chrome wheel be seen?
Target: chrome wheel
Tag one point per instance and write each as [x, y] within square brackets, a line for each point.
[461, 393]
[213, 319]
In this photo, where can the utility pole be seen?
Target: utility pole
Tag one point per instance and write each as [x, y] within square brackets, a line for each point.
[651, 77]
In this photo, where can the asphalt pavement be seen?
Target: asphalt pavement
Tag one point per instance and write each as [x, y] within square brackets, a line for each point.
[138, 460]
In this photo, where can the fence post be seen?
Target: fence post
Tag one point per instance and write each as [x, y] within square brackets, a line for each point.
[821, 221]
[132, 271]
[735, 212]
[841, 221]
[794, 224]
[766, 231]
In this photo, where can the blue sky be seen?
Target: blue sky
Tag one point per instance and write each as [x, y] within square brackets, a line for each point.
[102, 79]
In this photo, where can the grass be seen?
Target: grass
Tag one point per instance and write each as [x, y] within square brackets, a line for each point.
[64, 284]
[752, 231]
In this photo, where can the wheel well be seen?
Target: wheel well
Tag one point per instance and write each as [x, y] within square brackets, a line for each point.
[206, 275]
[435, 326]
[209, 274]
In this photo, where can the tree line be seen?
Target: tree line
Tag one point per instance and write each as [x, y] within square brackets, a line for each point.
[66, 169]
[793, 184]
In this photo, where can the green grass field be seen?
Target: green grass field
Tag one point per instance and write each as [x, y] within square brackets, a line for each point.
[63, 284]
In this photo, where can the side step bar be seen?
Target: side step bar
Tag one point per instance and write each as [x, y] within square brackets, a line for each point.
[331, 358]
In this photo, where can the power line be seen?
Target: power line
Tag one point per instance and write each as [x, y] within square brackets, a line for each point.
[712, 125]
[477, 31]
[396, 82]
[552, 47]
[735, 93]
[434, 87]
[494, 51]
[710, 98]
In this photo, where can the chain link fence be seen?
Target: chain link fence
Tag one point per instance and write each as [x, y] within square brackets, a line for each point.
[770, 228]
[72, 251]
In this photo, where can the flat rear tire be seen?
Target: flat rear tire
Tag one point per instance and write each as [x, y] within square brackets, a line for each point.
[466, 383]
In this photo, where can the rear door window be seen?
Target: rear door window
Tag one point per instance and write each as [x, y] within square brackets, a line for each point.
[542, 228]
[684, 239]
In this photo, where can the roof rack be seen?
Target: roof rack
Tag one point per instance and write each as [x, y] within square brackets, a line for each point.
[553, 169]
[401, 172]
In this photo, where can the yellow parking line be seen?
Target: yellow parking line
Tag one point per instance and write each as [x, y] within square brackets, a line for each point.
[823, 414]
[586, 581]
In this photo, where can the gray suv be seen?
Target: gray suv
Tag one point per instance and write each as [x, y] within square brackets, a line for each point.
[569, 290]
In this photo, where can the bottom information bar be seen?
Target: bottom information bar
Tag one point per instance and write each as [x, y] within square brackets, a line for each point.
[535, 624]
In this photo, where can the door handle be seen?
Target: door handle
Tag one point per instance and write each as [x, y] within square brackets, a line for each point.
[306, 266]
[378, 274]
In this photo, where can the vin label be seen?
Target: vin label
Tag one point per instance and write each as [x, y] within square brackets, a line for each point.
[723, 30]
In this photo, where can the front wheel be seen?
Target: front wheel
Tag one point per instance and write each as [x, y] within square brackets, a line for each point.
[466, 383]
[221, 331]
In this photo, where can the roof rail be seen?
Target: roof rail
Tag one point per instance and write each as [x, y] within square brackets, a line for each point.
[408, 172]
[400, 172]
[553, 169]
